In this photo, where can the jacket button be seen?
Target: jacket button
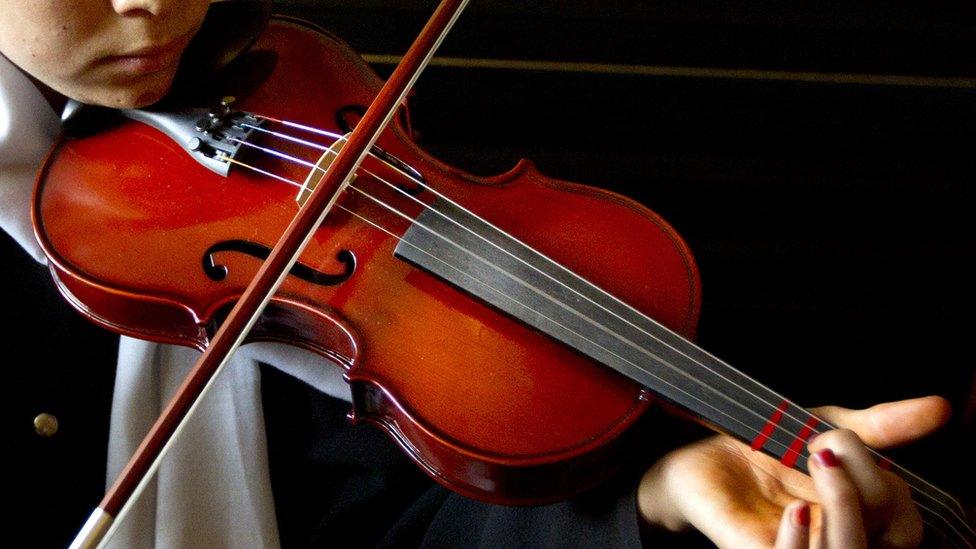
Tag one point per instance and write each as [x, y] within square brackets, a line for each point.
[46, 425]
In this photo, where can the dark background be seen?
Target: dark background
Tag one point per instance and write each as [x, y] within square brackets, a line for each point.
[831, 220]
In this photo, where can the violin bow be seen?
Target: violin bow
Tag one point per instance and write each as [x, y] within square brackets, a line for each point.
[103, 521]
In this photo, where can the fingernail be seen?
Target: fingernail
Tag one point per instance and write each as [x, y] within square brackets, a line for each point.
[802, 516]
[826, 458]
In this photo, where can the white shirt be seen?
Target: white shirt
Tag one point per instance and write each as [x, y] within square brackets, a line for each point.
[213, 488]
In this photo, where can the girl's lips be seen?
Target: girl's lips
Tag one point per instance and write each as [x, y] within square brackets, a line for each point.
[144, 64]
[151, 59]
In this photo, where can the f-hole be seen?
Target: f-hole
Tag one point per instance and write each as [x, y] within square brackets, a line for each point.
[217, 272]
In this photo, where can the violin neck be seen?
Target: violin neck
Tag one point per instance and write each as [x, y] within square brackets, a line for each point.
[527, 285]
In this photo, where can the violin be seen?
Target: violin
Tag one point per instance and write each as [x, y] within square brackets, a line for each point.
[505, 349]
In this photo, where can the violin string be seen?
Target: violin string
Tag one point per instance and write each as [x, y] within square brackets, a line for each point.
[337, 136]
[522, 282]
[265, 172]
[507, 252]
[376, 225]
[310, 129]
[279, 154]
[294, 139]
[581, 315]
[424, 185]
[498, 230]
[511, 238]
[787, 449]
[311, 144]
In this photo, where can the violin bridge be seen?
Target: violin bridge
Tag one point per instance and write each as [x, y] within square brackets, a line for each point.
[317, 173]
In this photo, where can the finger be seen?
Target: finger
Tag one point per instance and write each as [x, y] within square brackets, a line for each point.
[842, 524]
[794, 527]
[860, 466]
[887, 506]
[905, 528]
[892, 423]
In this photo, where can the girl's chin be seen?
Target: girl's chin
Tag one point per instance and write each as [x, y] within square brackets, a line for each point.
[149, 97]
[125, 97]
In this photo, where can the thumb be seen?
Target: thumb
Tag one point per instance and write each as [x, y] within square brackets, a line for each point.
[891, 423]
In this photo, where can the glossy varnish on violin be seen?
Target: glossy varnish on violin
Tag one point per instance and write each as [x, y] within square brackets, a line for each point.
[487, 405]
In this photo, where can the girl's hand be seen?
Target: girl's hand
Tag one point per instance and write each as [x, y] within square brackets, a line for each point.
[742, 498]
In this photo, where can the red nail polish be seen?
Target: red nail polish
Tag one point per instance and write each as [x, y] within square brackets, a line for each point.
[826, 458]
[802, 515]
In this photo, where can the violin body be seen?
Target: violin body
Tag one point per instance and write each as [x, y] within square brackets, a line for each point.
[146, 241]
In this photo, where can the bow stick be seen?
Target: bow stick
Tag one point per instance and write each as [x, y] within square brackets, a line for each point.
[137, 472]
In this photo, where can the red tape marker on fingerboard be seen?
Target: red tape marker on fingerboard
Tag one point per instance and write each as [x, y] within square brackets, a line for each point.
[767, 430]
[796, 448]
[884, 464]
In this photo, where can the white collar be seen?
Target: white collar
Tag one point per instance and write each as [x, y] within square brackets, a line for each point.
[28, 126]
